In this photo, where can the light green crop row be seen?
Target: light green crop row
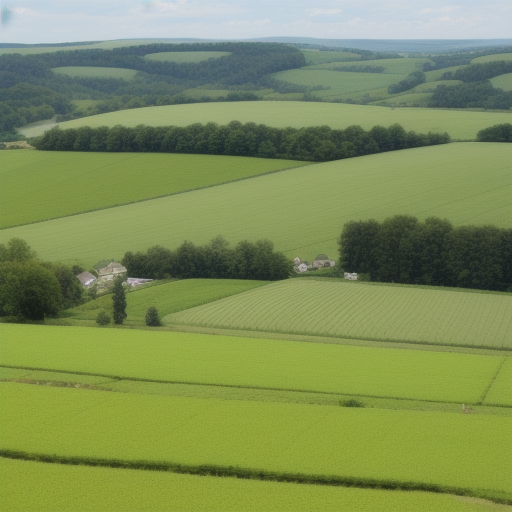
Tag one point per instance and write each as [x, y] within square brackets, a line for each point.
[459, 124]
[251, 362]
[95, 72]
[185, 56]
[400, 446]
[167, 298]
[468, 183]
[41, 185]
[42, 487]
[363, 311]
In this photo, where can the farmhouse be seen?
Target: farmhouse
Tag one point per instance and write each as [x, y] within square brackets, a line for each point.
[323, 260]
[86, 279]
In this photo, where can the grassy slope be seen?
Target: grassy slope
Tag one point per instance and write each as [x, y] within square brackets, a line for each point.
[466, 183]
[185, 56]
[318, 57]
[96, 72]
[492, 58]
[251, 362]
[393, 66]
[502, 82]
[167, 298]
[119, 490]
[459, 124]
[501, 389]
[415, 446]
[39, 185]
[363, 311]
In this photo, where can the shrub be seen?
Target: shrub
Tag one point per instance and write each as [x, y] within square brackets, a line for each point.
[102, 318]
[351, 403]
[152, 319]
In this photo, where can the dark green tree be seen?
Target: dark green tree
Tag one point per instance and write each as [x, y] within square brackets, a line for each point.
[102, 318]
[119, 302]
[152, 319]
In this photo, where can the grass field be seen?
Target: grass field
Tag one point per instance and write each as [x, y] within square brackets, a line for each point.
[39, 185]
[319, 57]
[305, 221]
[185, 56]
[28, 485]
[95, 72]
[252, 362]
[393, 66]
[363, 311]
[409, 100]
[502, 82]
[167, 298]
[492, 58]
[501, 389]
[283, 438]
[459, 124]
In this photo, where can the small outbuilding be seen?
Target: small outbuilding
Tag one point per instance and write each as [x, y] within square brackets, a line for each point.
[112, 269]
[86, 279]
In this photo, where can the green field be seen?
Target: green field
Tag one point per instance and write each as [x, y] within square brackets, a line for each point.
[408, 100]
[502, 82]
[349, 310]
[337, 82]
[185, 56]
[95, 72]
[251, 362]
[492, 58]
[39, 185]
[393, 66]
[459, 124]
[30, 485]
[501, 389]
[319, 57]
[308, 218]
[167, 298]
[398, 446]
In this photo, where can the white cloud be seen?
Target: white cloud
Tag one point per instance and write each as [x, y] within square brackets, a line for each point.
[448, 8]
[185, 8]
[323, 12]
[265, 21]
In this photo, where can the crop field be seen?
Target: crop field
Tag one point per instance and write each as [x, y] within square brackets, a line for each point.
[167, 298]
[501, 389]
[413, 99]
[277, 438]
[393, 66]
[305, 221]
[492, 58]
[185, 56]
[319, 57]
[338, 82]
[28, 485]
[252, 362]
[96, 72]
[459, 124]
[363, 311]
[435, 75]
[39, 185]
[502, 82]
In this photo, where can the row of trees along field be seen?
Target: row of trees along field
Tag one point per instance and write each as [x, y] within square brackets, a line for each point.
[32, 289]
[312, 144]
[216, 260]
[403, 250]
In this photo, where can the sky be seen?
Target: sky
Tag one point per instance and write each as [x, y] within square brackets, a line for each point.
[54, 21]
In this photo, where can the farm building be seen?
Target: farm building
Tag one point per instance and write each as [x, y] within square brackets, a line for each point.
[323, 260]
[135, 281]
[112, 269]
[86, 279]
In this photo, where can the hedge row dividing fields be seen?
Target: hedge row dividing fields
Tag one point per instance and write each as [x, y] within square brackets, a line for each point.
[252, 363]
[28, 485]
[354, 310]
[401, 449]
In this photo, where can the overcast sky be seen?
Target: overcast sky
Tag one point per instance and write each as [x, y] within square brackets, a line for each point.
[47, 21]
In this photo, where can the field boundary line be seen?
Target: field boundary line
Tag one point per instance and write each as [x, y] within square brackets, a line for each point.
[259, 474]
[162, 196]
[493, 379]
[240, 386]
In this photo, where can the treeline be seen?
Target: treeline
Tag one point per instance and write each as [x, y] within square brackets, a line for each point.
[215, 260]
[360, 69]
[403, 250]
[496, 133]
[471, 95]
[317, 144]
[478, 72]
[461, 58]
[412, 80]
[31, 289]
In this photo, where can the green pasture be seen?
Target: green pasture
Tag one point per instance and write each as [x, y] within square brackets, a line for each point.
[185, 56]
[84, 104]
[167, 298]
[338, 82]
[41, 185]
[435, 75]
[320, 57]
[393, 66]
[492, 58]
[430, 86]
[408, 100]
[95, 72]
[399, 446]
[459, 124]
[348, 310]
[40, 487]
[502, 82]
[501, 389]
[301, 210]
[251, 362]
[198, 93]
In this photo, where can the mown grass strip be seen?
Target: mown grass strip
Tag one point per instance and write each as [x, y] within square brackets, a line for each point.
[257, 474]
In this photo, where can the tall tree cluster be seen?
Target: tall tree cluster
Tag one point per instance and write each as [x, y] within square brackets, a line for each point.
[214, 260]
[403, 250]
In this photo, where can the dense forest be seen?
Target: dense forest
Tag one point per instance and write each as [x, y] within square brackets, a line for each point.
[403, 250]
[317, 144]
